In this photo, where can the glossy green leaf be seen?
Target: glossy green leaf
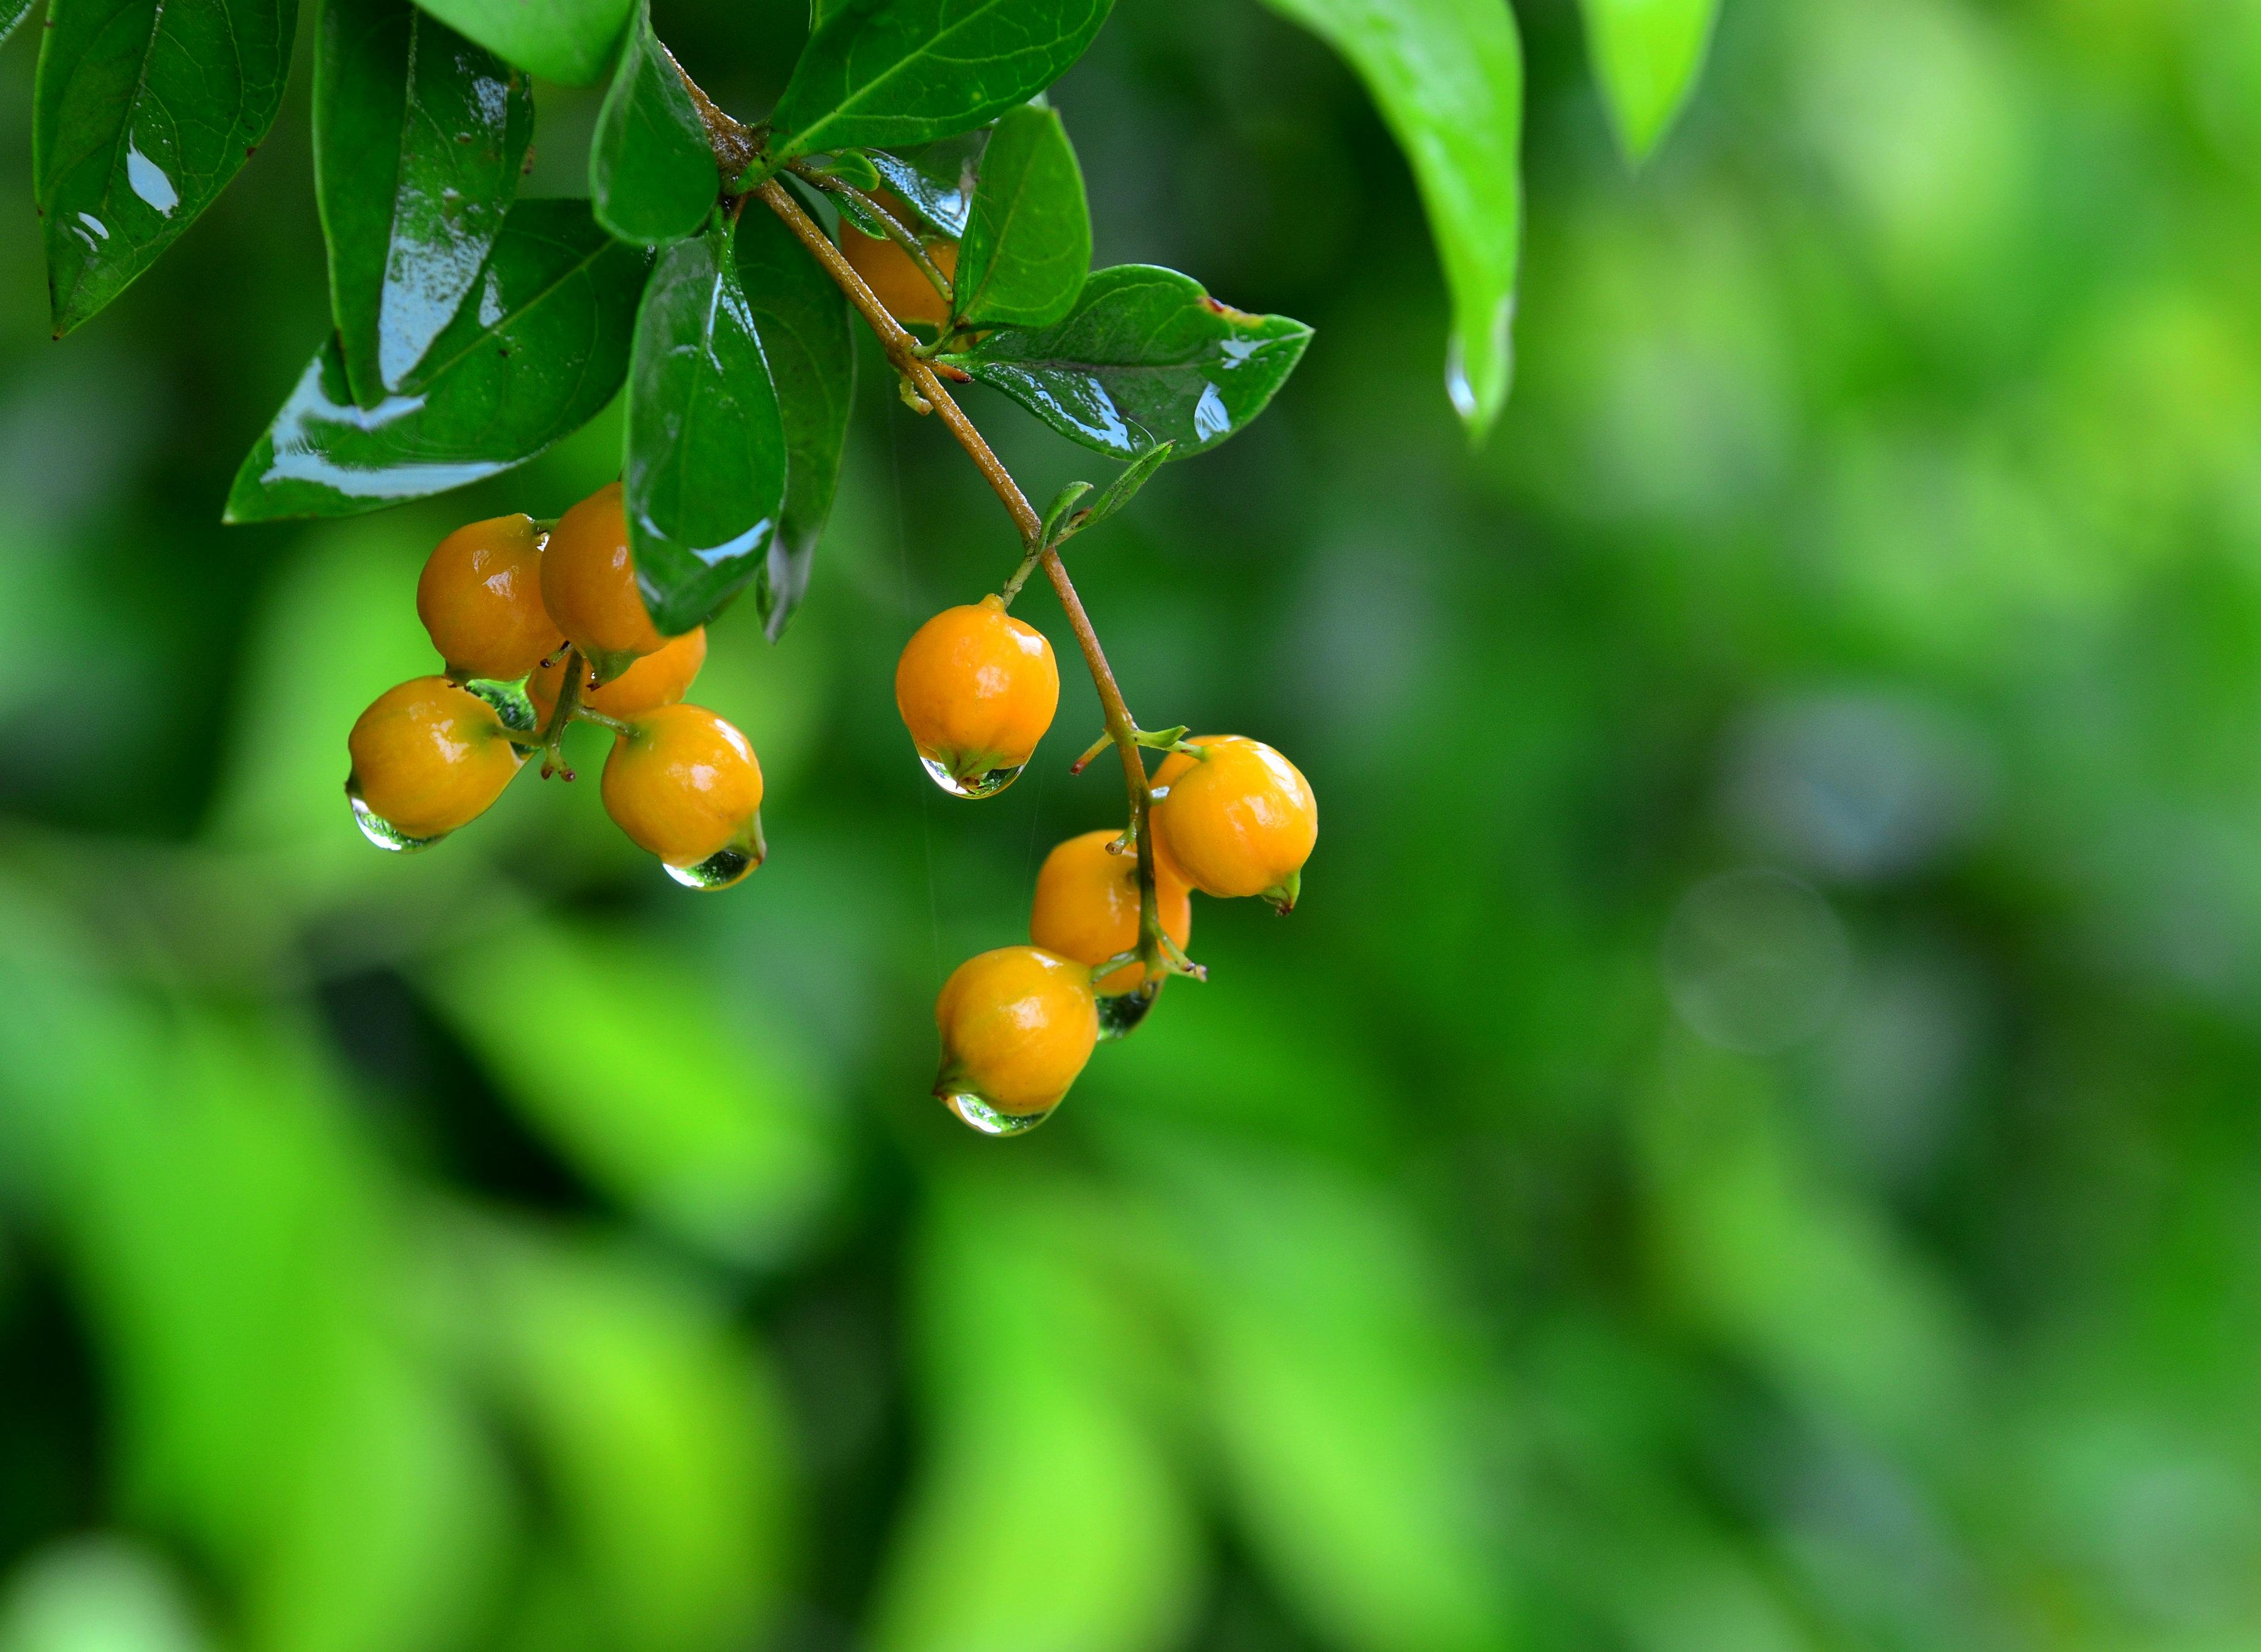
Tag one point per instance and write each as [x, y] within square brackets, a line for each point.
[144, 111]
[1146, 356]
[1448, 76]
[909, 71]
[808, 334]
[1027, 245]
[706, 467]
[418, 140]
[12, 13]
[1647, 55]
[851, 166]
[568, 40]
[935, 180]
[537, 350]
[651, 170]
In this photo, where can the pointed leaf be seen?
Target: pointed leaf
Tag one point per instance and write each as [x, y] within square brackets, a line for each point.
[808, 334]
[537, 350]
[1647, 55]
[419, 135]
[1027, 245]
[12, 13]
[705, 470]
[909, 71]
[1448, 76]
[1144, 357]
[145, 108]
[651, 170]
[1124, 487]
[1056, 513]
[937, 179]
[568, 40]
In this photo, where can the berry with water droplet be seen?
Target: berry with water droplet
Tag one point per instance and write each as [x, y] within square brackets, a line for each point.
[1018, 1025]
[427, 757]
[898, 283]
[685, 786]
[589, 586]
[1087, 905]
[977, 689]
[480, 598]
[657, 679]
[1239, 820]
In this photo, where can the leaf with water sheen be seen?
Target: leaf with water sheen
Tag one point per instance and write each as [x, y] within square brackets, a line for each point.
[1027, 244]
[651, 169]
[12, 13]
[909, 71]
[568, 40]
[1146, 356]
[144, 110]
[706, 469]
[937, 179]
[1448, 76]
[808, 334]
[418, 139]
[539, 348]
[1647, 55]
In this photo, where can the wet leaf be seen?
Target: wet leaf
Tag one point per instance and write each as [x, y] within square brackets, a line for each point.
[651, 169]
[1448, 76]
[143, 111]
[537, 350]
[1027, 244]
[12, 13]
[418, 139]
[706, 472]
[936, 179]
[1647, 55]
[909, 71]
[1146, 356]
[568, 40]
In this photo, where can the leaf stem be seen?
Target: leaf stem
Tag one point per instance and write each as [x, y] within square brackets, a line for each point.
[897, 231]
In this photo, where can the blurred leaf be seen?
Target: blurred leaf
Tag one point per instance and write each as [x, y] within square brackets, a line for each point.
[1027, 245]
[1146, 356]
[651, 169]
[97, 1594]
[538, 350]
[807, 329]
[909, 71]
[12, 13]
[1647, 55]
[936, 179]
[705, 479]
[145, 110]
[851, 166]
[418, 138]
[568, 40]
[1448, 76]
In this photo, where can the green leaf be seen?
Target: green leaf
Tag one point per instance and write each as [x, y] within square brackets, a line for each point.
[1647, 55]
[568, 40]
[937, 179]
[706, 466]
[651, 170]
[907, 71]
[1027, 245]
[1448, 76]
[851, 166]
[418, 139]
[1124, 487]
[1146, 356]
[12, 13]
[537, 351]
[808, 334]
[1063, 502]
[144, 111]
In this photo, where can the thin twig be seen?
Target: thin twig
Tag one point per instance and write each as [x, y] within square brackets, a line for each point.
[897, 231]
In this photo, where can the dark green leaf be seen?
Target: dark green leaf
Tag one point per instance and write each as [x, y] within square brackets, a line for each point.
[1027, 245]
[937, 179]
[1448, 76]
[858, 212]
[1647, 55]
[1124, 487]
[418, 139]
[144, 111]
[569, 40]
[12, 13]
[537, 351]
[651, 169]
[807, 333]
[705, 470]
[851, 166]
[1144, 357]
[909, 71]
[1056, 512]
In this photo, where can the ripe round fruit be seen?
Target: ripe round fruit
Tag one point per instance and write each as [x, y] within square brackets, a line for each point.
[1087, 905]
[682, 784]
[1017, 1024]
[589, 586]
[1239, 821]
[480, 598]
[655, 680]
[977, 689]
[428, 757]
[896, 281]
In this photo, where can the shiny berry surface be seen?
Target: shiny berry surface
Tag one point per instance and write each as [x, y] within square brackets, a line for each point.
[682, 784]
[589, 586]
[1239, 821]
[1087, 905]
[977, 688]
[657, 679]
[428, 757]
[480, 599]
[1018, 1025]
[898, 283]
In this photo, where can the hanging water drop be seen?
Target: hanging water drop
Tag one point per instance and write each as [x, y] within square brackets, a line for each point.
[719, 871]
[987, 784]
[975, 1109]
[379, 830]
[1120, 1013]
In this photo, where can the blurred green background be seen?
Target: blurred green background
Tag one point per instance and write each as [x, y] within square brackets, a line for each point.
[1748, 1145]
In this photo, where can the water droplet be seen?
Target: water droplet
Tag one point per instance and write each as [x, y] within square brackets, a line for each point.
[1120, 1013]
[510, 701]
[147, 180]
[985, 785]
[719, 871]
[972, 1107]
[381, 832]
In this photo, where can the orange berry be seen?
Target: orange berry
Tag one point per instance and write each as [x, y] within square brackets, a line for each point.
[655, 680]
[895, 280]
[1239, 820]
[427, 757]
[1017, 1024]
[589, 586]
[977, 689]
[1087, 905]
[480, 598]
[685, 786]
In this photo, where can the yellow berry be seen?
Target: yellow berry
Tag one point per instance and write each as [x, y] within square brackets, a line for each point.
[682, 784]
[589, 586]
[1087, 905]
[480, 598]
[1239, 820]
[657, 679]
[428, 757]
[898, 283]
[1017, 1024]
[977, 689]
